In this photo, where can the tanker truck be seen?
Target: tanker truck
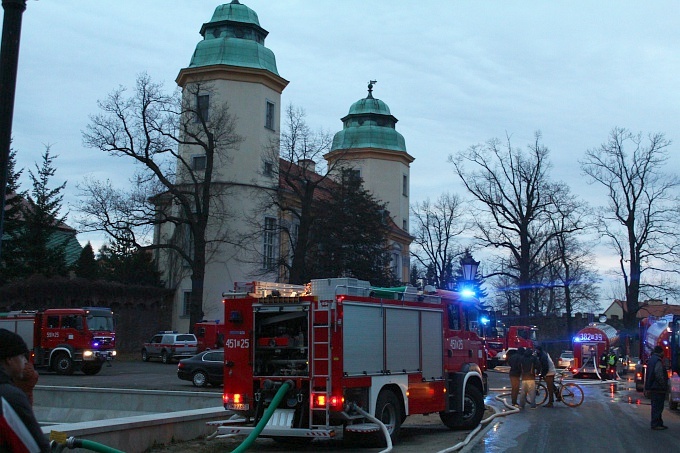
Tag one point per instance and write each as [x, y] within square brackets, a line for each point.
[589, 344]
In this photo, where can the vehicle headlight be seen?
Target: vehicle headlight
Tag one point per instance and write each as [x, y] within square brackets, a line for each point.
[87, 353]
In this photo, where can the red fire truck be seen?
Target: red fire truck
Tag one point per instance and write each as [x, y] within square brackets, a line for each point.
[507, 340]
[66, 339]
[343, 345]
[589, 345]
[665, 332]
[210, 334]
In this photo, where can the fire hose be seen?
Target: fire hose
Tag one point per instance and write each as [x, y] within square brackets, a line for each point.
[265, 417]
[72, 443]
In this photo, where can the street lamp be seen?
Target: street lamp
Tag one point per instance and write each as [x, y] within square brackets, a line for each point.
[9, 60]
[469, 266]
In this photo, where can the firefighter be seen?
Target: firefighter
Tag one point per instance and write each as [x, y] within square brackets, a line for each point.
[611, 364]
[602, 366]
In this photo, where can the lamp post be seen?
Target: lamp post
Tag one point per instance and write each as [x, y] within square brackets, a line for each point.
[469, 266]
[9, 60]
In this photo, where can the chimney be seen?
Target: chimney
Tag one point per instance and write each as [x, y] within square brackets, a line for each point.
[307, 164]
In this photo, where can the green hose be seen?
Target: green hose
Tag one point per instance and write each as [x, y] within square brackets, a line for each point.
[73, 443]
[265, 418]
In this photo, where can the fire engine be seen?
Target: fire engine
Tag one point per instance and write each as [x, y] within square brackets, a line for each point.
[589, 344]
[665, 332]
[66, 339]
[508, 340]
[343, 345]
[210, 334]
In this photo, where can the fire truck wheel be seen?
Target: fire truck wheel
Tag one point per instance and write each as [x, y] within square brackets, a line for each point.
[472, 414]
[200, 379]
[92, 368]
[63, 364]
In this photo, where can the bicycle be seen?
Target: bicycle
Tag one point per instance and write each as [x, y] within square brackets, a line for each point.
[569, 393]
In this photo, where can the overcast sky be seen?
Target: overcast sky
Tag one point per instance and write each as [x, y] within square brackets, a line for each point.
[454, 73]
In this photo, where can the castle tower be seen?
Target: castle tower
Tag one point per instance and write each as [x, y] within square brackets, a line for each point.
[370, 145]
[231, 66]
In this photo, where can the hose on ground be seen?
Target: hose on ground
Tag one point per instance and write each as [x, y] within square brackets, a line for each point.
[383, 428]
[265, 417]
[73, 443]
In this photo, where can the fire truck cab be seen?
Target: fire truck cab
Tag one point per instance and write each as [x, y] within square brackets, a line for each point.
[343, 345]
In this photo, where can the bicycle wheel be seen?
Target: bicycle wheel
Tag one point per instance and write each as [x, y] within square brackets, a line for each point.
[571, 394]
[541, 394]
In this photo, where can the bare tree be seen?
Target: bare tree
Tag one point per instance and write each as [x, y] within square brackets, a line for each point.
[163, 134]
[516, 199]
[296, 161]
[641, 218]
[436, 230]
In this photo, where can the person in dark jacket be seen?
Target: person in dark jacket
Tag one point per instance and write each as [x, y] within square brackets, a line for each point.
[529, 365]
[656, 386]
[13, 352]
[547, 371]
[515, 373]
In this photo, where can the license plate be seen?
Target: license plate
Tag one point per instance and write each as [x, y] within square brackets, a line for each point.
[238, 407]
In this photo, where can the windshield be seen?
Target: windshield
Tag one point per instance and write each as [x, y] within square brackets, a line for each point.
[100, 323]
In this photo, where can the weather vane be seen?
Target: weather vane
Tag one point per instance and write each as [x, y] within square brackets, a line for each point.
[370, 87]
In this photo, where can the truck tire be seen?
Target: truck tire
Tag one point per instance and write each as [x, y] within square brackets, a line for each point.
[63, 364]
[491, 364]
[165, 357]
[388, 411]
[145, 355]
[91, 369]
[472, 413]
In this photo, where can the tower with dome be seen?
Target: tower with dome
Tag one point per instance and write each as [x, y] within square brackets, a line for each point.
[231, 66]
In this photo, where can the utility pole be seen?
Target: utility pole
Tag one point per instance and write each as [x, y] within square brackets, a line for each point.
[9, 60]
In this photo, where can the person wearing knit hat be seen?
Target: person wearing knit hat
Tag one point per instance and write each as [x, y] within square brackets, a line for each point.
[13, 351]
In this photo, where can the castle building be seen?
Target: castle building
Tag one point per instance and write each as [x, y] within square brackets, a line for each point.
[231, 66]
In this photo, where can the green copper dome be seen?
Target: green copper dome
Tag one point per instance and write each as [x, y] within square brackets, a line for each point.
[369, 124]
[234, 37]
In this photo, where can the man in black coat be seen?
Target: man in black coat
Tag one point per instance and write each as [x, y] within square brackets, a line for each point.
[14, 401]
[656, 386]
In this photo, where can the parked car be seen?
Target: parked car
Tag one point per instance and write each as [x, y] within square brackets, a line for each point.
[170, 345]
[566, 359]
[204, 368]
[629, 364]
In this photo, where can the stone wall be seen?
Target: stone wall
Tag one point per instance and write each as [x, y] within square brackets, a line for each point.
[139, 311]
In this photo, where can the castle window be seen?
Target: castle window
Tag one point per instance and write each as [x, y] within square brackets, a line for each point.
[269, 118]
[198, 163]
[404, 185]
[202, 107]
[268, 169]
[186, 304]
[269, 246]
